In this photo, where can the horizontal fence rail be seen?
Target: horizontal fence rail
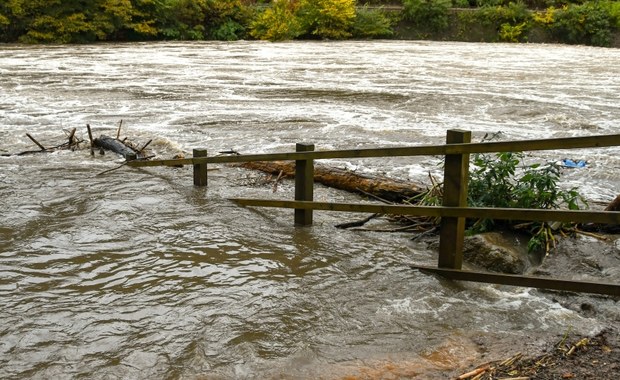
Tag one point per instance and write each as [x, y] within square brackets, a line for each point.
[526, 281]
[427, 150]
[567, 216]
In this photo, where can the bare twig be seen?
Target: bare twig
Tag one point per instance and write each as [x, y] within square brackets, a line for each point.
[591, 234]
[374, 196]
[71, 136]
[35, 141]
[118, 131]
[277, 181]
[145, 145]
[475, 372]
[511, 361]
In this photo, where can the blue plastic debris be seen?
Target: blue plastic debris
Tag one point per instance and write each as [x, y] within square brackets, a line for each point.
[573, 164]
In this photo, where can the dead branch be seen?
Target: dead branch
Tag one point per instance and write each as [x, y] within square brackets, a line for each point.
[277, 181]
[90, 137]
[145, 145]
[71, 136]
[35, 141]
[118, 131]
[358, 223]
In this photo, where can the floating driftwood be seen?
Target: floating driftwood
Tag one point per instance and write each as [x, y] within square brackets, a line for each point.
[72, 143]
[390, 189]
[116, 146]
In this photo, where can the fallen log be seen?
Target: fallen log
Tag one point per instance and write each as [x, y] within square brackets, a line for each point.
[116, 146]
[390, 189]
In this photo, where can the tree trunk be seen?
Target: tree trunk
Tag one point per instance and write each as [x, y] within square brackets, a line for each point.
[385, 188]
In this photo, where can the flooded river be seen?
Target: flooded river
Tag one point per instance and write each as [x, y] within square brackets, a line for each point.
[137, 274]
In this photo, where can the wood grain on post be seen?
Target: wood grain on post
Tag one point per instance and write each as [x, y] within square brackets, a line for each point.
[452, 232]
[304, 184]
[200, 170]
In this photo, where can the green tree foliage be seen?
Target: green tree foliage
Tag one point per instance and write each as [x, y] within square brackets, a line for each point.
[204, 19]
[70, 21]
[277, 23]
[512, 21]
[331, 19]
[183, 19]
[65, 21]
[288, 19]
[371, 23]
[84, 21]
[428, 14]
[590, 23]
[227, 19]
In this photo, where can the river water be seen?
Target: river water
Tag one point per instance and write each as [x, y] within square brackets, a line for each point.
[137, 274]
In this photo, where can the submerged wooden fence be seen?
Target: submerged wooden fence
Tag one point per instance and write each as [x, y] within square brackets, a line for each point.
[453, 211]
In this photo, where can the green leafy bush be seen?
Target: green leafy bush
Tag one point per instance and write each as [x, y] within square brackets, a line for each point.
[589, 23]
[502, 180]
[331, 19]
[371, 23]
[183, 19]
[428, 14]
[512, 33]
[277, 23]
[614, 13]
[226, 19]
[512, 21]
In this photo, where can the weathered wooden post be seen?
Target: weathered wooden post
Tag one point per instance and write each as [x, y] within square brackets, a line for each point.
[304, 184]
[455, 177]
[200, 170]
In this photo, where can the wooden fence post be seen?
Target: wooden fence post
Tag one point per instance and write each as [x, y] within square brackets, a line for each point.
[456, 174]
[304, 184]
[200, 170]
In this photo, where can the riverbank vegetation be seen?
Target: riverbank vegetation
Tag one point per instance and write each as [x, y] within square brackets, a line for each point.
[62, 21]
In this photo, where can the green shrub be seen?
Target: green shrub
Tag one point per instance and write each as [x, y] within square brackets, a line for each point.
[512, 22]
[277, 23]
[513, 14]
[460, 4]
[590, 23]
[512, 33]
[498, 181]
[614, 13]
[428, 14]
[331, 19]
[183, 19]
[371, 23]
[226, 19]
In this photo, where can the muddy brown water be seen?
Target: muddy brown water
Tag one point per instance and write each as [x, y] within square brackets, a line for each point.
[138, 274]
